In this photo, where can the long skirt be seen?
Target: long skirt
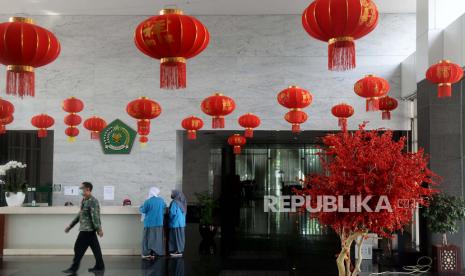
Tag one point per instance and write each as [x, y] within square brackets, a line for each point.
[177, 239]
[152, 241]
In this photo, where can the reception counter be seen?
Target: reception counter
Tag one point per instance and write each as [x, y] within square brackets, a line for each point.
[40, 230]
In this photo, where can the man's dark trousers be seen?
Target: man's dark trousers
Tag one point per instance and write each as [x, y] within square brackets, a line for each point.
[83, 241]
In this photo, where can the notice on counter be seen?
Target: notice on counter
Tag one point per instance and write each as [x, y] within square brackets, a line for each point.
[108, 192]
[71, 190]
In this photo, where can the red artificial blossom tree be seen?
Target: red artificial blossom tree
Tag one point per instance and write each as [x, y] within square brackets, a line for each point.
[367, 164]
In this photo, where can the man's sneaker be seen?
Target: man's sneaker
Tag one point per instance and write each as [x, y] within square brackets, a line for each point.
[69, 271]
[176, 254]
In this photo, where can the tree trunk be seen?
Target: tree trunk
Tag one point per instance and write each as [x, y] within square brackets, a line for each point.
[343, 260]
[444, 239]
[358, 263]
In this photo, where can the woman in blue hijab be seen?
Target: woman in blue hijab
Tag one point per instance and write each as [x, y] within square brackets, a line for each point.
[177, 223]
[153, 211]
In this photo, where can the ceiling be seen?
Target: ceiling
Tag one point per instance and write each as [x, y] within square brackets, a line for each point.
[196, 7]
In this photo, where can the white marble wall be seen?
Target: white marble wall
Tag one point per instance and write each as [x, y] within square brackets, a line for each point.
[250, 58]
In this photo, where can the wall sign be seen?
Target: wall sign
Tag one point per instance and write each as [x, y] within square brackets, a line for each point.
[117, 138]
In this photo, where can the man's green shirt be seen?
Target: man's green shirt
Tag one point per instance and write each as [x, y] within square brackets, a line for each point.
[89, 215]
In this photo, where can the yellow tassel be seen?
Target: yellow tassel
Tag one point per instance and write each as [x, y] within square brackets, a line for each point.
[71, 139]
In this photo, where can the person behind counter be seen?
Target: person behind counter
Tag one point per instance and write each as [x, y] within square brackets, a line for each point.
[89, 219]
[153, 211]
[177, 223]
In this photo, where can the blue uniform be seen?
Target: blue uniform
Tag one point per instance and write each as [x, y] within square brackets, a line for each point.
[154, 210]
[177, 218]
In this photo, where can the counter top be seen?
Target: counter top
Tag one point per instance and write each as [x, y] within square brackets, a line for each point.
[64, 210]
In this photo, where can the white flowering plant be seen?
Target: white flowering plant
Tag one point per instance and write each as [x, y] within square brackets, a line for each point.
[14, 176]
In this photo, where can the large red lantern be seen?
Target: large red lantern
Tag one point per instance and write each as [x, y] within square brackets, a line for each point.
[342, 112]
[372, 88]
[95, 125]
[171, 37]
[340, 23]
[144, 110]
[237, 141]
[72, 105]
[387, 104]
[192, 124]
[6, 108]
[42, 122]
[249, 121]
[444, 73]
[5, 121]
[218, 106]
[296, 117]
[25, 46]
[295, 97]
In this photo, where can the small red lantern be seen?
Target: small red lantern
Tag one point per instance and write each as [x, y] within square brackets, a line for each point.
[95, 125]
[387, 104]
[444, 73]
[5, 121]
[296, 117]
[249, 121]
[25, 46]
[372, 88]
[192, 124]
[295, 97]
[171, 37]
[144, 110]
[237, 141]
[218, 106]
[342, 112]
[72, 105]
[72, 132]
[42, 122]
[6, 108]
[340, 23]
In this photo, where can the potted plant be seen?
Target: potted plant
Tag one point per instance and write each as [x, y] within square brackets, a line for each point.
[443, 214]
[14, 178]
[206, 204]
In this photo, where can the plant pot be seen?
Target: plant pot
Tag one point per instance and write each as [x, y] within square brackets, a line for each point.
[15, 199]
[208, 232]
[446, 259]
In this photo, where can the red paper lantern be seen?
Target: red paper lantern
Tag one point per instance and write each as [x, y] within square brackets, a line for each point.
[42, 122]
[342, 112]
[237, 141]
[72, 132]
[444, 73]
[249, 121]
[6, 108]
[23, 47]
[192, 124]
[95, 125]
[296, 117]
[372, 88]
[5, 121]
[144, 110]
[171, 37]
[218, 106]
[387, 104]
[72, 120]
[72, 105]
[295, 97]
[340, 23]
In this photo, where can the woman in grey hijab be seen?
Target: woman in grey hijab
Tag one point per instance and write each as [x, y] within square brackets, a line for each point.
[177, 223]
[152, 212]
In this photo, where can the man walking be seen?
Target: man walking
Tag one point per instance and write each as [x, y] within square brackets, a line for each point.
[89, 219]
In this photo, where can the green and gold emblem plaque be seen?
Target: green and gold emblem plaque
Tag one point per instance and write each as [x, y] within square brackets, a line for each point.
[117, 138]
